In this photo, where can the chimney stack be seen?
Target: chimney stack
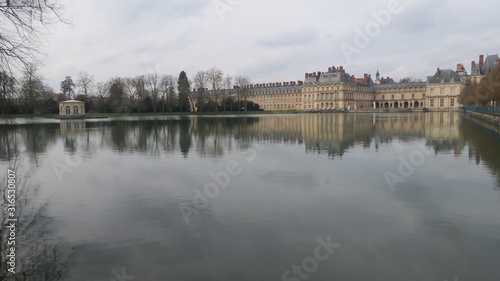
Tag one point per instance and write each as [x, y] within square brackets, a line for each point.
[329, 69]
[481, 61]
[438, 72]
[300, 82]
[459, 67]
[341, 69]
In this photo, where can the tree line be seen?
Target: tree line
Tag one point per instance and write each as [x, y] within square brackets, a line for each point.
[209, 90]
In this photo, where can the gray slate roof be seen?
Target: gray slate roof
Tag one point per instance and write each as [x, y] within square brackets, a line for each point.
[445, 76]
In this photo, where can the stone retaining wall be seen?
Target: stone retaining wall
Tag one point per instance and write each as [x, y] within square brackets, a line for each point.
[486, 117]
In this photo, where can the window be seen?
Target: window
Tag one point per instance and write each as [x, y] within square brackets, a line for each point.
[75, 110]
[412, 96]
[441, 92]
[392, 96]
[432, 92]
[68, 110]
[402, 96]
[453, 92]
[452, 102]
[432, 102]
[441, 103]
[383, 97]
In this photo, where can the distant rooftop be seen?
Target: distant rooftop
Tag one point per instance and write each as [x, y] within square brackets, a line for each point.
[71, 101]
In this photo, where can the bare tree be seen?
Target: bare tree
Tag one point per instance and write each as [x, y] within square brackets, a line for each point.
[31, 88]
[228, 84]
[167, 92]
[243, 90]
[199, 95]
[7, 89]
[103, 95]
[23, 23]
[215, 78]
[85, 81]
[153, 80]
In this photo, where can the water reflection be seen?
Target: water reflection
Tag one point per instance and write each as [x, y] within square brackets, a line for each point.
[123, 199]
[483, 139]
[37, 256]
[330, 134]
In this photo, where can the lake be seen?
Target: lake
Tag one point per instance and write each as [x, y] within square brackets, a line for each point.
[411, 196]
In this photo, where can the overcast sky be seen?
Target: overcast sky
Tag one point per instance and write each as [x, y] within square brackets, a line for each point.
[269, 41]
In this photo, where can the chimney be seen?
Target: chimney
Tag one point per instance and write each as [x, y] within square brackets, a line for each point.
[481, 61]
[300, 82]
[459, 67]
[329, 69]
[438, 72]
[352, 76]
[319, 73]
[341, 69]
[307, 75]
[334, 69]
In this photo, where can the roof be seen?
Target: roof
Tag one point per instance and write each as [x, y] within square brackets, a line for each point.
[400, 85]
[72, 101]
[490, 62]
[444, 76]
[334, 77]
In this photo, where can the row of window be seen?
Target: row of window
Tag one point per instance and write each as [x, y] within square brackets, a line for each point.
[75, 110]
[441, 103]
[453, 92]
[403, 96]
[395, 90]
[278, 100]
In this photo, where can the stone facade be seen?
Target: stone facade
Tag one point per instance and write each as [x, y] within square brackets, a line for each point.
[337, 90]
[71, 108]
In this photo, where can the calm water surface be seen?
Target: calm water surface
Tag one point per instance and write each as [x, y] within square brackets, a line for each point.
[259, 197]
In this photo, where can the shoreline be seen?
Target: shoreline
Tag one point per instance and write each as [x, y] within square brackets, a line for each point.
[492, 119]
[222, 113]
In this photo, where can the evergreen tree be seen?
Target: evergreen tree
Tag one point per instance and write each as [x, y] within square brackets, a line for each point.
[68, 87]
[183, 88]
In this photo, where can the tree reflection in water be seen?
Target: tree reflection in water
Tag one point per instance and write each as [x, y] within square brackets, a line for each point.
[38, 256]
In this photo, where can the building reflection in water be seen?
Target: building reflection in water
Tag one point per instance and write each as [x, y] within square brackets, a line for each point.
[69, 127]
[333, 134]
[324, 134]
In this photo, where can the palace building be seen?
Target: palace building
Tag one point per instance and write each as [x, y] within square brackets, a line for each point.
[338, 90]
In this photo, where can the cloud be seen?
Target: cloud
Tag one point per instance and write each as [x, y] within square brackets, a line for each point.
[266, 40]
[290, 38]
